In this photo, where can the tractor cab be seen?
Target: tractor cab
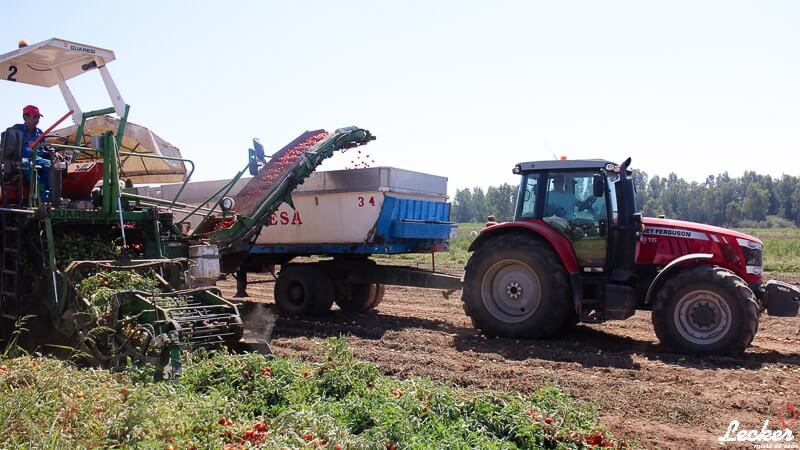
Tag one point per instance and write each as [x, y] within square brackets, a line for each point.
[590, 203]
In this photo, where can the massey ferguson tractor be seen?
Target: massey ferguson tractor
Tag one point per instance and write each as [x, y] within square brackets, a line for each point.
[117, 274]
[578, 251]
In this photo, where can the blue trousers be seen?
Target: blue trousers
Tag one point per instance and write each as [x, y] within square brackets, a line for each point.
[42, 176]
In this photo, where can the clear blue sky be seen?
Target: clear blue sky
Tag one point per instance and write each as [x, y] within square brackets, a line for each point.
[463, 89]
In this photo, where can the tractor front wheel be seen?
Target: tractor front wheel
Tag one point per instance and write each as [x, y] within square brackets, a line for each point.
[706, 310]
[303, 289]
[515, 286]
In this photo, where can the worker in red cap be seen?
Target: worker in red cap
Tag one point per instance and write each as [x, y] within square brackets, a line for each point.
[30, 132]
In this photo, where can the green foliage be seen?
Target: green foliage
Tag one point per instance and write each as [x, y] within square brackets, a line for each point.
[474, 206]
[81, 246]
[781, 248]
[11, 348]
[101, 287]
[222, 399]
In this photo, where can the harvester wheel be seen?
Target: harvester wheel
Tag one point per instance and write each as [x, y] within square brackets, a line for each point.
[302, 289]
[360, 297]
[515, 286]
[706, 310]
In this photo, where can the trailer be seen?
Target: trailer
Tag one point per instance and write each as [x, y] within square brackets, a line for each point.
[342, 218]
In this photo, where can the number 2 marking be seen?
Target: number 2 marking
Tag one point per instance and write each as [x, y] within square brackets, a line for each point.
[12, 70]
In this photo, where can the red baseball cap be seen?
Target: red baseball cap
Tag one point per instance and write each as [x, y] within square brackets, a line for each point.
[30, 109]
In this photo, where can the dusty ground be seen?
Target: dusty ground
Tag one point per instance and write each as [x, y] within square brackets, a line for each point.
[642, 391]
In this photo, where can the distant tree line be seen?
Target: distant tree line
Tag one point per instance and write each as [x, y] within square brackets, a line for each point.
[751, 200]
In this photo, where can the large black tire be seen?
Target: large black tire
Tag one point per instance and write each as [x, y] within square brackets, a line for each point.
[706, 310]
[380, 291]
[515, 286]
[358, 297]
[303, 289]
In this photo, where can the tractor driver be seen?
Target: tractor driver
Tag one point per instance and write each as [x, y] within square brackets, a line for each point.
[559, 202]
[562, 203]
[30, 133]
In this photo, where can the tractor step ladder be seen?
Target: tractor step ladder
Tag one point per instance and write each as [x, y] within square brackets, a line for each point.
[10, 256]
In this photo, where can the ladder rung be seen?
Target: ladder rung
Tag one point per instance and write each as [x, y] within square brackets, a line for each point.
[9, 272]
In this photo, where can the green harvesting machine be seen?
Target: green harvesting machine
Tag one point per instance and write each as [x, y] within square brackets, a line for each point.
[115, 275]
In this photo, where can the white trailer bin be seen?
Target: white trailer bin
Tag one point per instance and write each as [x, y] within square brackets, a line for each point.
[363, 211]
[346, 215]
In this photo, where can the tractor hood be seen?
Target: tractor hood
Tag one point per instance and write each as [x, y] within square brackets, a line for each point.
[682, 228]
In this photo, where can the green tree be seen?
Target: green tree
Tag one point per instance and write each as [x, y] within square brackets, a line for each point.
[479, 204]
[464, 208]
[733, 212]
[756, 203]
[500, 202]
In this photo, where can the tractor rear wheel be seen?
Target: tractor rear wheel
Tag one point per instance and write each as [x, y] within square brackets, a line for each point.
[706, 310]
[515, 286]
[303, 289]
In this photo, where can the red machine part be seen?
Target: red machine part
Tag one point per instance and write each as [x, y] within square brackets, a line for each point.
[81, 179]
[560, 244]
[664, 240]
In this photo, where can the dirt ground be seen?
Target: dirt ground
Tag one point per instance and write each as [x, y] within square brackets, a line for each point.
[658, 398]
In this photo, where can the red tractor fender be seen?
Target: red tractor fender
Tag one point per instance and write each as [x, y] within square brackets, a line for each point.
[673, 267]
[560, 244]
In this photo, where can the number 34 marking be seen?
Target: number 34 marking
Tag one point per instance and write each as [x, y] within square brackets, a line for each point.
[12, 70]
[363, 202]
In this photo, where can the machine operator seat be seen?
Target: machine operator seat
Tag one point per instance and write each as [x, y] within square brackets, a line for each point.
[10, 153]
[11, 166]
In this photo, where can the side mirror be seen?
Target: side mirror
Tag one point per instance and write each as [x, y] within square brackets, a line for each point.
[252, 163]
[598, 186]
[259, 150]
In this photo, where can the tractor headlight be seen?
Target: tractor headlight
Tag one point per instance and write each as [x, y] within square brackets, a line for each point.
[752, 252]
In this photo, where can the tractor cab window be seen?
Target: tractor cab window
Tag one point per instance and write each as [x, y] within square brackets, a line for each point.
[526, 205]
[570, 196]
[571, 207]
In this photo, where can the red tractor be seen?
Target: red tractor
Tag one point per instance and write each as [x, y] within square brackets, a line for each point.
[578, 251]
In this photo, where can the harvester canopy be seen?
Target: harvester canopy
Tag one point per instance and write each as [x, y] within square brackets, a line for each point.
[53, 62]
[135, 139]
[44, 63]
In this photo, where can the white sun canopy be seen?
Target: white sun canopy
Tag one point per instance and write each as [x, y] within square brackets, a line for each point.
[53, 62]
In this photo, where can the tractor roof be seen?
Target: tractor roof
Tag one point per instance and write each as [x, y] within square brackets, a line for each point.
[562, 164]
[43, 63]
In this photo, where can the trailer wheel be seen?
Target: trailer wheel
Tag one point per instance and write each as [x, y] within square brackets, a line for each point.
[360, 297]
[380, 291]
[302, 289]
[515, 286]
[706, 310]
